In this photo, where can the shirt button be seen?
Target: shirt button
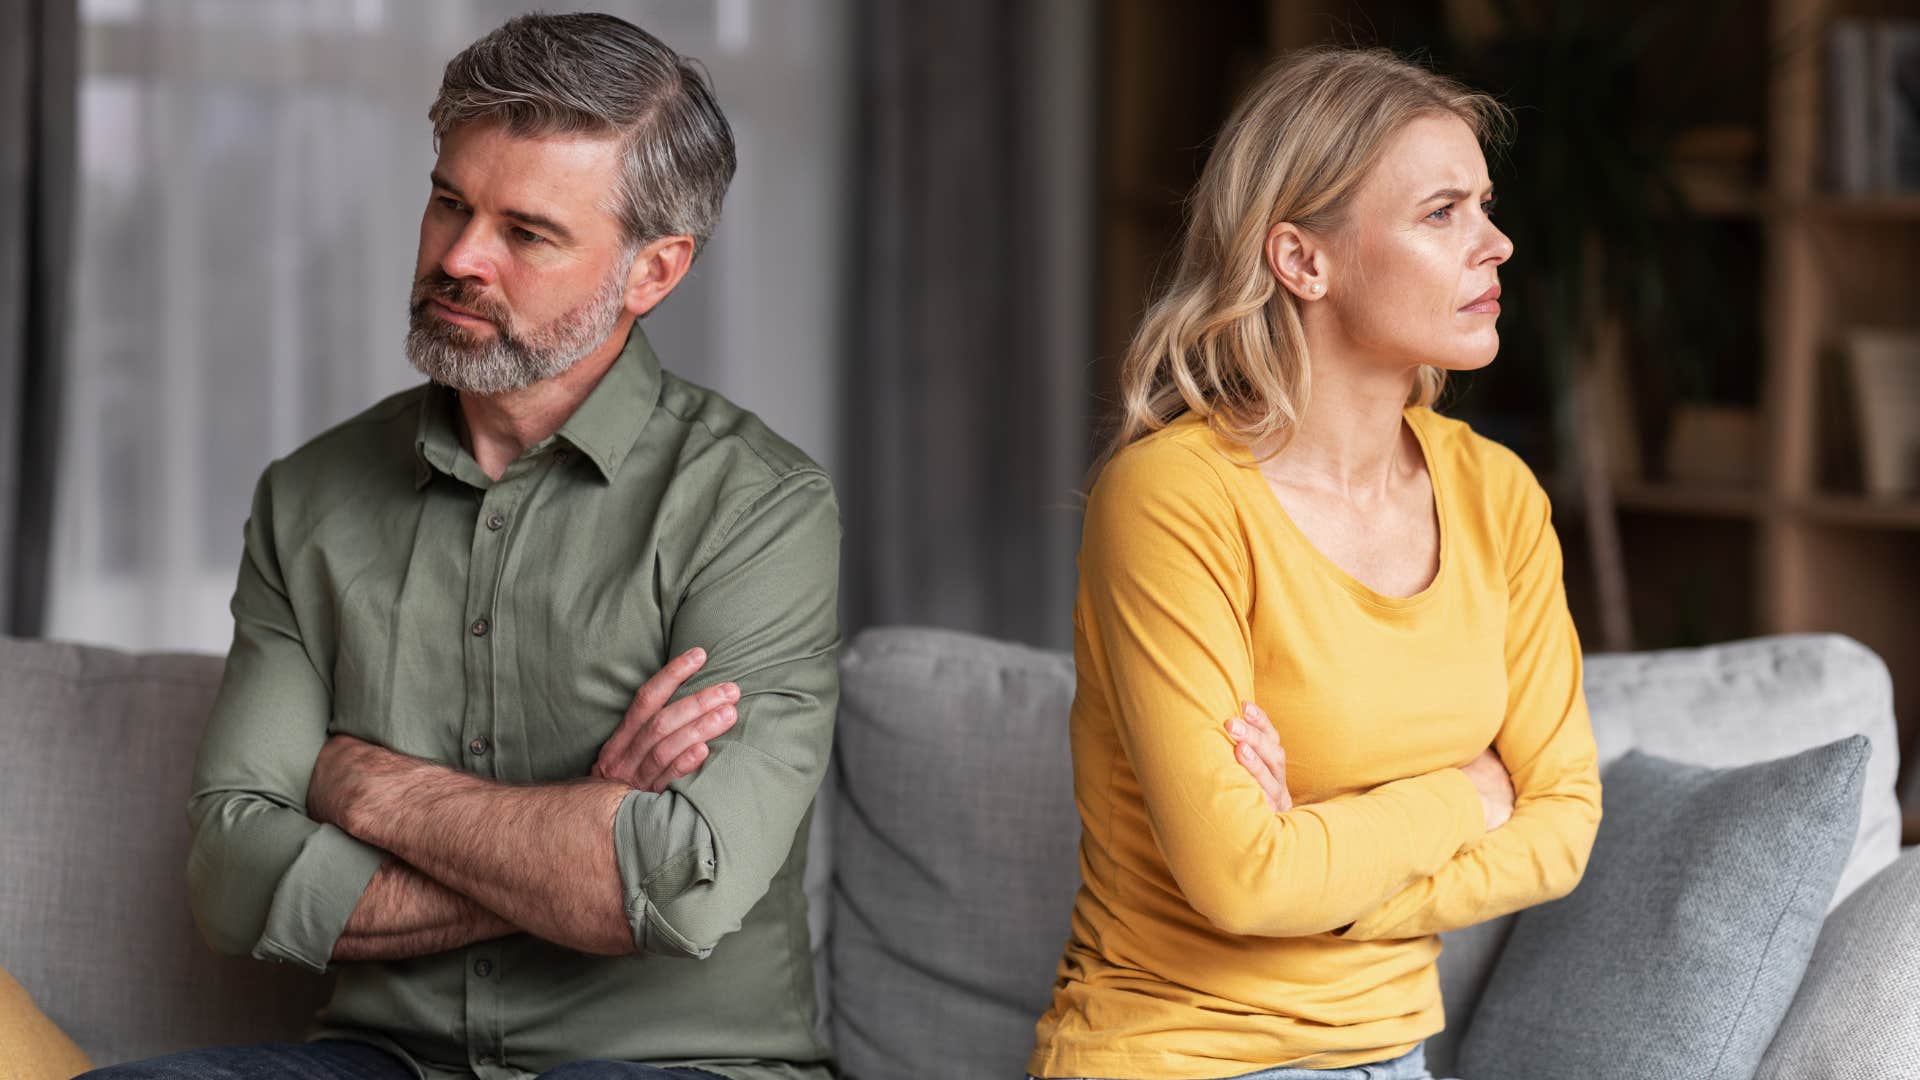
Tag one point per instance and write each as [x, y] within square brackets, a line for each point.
[495, 520]
[483, 968]
[479, 628]
[562, 454]
[478, 746]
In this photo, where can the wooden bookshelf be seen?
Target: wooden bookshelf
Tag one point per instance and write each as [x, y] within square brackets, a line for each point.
[1835, 560]
[1824, 556]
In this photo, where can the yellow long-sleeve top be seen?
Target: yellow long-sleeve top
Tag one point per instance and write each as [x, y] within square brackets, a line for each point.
[1211, 935]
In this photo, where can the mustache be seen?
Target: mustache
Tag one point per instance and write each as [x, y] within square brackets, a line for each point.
[437, 284]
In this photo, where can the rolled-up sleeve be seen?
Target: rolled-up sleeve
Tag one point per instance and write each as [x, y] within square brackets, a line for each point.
[763, 604]
[263, 878]
[1546, 742]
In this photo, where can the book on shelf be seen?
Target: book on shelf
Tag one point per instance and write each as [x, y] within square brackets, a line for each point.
[1873, 106]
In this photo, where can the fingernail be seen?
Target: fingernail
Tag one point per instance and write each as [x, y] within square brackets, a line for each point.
[733, 692]
[1236, 727]
[696, 655]
[727, 715]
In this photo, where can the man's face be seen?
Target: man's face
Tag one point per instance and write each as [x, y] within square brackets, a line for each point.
[522, 268]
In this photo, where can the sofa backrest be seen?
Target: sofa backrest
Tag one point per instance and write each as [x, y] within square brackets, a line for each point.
[955, 832]
[945, 846]
[97, 748]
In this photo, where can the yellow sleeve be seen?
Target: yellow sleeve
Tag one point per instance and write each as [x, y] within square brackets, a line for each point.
[1546, 742]
[1166, 601]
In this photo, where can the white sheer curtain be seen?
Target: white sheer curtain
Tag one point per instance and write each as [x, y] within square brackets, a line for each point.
[252, 173]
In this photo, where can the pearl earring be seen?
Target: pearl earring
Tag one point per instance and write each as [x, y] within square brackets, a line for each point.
[1317, 286]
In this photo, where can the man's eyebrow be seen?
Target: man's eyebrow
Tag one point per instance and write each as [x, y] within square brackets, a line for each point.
[528, 217]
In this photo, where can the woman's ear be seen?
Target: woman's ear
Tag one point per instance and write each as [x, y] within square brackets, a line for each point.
[1296, 260]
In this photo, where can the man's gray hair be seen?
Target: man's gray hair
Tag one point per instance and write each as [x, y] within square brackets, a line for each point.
[594, 74]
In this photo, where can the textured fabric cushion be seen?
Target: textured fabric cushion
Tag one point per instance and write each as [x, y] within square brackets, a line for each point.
[955, 853]
[1679, 952]
[1722, 705]
[98, 749]
[31, 1047]
[1857, 1012]
[1758, 700]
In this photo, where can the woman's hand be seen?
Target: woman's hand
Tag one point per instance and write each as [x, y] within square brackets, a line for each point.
[1489, 774]
[1257, 748]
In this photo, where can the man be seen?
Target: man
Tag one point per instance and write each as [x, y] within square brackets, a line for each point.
[441, 762]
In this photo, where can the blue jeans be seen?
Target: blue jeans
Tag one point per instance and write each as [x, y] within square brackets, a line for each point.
[1411, 1065]
[333, 1059]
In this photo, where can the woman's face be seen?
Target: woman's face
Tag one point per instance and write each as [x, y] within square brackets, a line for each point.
[1419, 250]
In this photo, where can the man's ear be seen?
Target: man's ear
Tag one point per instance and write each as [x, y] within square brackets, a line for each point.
[657, 268]
[1298, 261]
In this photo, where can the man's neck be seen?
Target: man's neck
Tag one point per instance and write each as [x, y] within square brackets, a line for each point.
[496, 428]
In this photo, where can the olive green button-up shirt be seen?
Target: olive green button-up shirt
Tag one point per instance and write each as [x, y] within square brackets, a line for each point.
[392, 591]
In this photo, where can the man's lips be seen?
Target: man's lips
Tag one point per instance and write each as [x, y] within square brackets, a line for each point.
[1487, 303]
[460, 314]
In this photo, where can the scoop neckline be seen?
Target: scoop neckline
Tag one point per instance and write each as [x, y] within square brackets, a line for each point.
[1354, 585]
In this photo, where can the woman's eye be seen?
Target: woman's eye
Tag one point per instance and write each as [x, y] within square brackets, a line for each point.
[1441, 213]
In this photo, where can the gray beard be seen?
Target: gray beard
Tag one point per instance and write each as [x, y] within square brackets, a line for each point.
[511, 360]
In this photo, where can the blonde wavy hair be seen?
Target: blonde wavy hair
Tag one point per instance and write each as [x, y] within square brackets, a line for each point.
[1223, 340]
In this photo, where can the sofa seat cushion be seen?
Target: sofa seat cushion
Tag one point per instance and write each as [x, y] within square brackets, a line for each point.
[1678, 953]
[1857, 1011]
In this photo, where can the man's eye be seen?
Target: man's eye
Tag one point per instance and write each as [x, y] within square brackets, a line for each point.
[1487, 207]
[451, 203]
[526, 237]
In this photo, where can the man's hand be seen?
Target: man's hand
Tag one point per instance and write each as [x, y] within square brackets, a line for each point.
[657, 743]
[1257, 748]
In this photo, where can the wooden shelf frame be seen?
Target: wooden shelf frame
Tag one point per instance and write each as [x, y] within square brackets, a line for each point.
[1809, 538]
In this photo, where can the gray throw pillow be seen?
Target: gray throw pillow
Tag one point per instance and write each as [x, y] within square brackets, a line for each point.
[1857, 1012]
[1678, 954]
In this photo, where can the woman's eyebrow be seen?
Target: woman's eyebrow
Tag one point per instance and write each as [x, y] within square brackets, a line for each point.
[1453, 193]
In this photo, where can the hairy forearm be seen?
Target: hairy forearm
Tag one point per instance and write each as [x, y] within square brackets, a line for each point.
[540, 857]
[404, 914]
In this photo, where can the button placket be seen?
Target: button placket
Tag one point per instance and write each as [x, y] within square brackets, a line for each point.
[488, 547]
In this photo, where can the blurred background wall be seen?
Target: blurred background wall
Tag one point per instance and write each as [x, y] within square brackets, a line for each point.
[947, 220]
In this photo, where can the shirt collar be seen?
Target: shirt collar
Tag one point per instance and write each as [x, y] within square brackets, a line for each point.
[603, 428]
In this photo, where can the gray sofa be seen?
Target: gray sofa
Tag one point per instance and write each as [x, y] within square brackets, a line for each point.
[943, 857]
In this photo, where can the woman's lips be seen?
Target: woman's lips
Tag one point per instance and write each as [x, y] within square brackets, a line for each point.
[1487, 303]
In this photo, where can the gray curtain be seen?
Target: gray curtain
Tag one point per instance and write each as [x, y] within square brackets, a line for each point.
[968, 426]
[38, 50]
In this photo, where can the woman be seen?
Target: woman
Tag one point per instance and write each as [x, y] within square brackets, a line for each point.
[1284, 519]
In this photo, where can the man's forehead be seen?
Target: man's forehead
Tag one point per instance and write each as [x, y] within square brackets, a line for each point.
[559, 174]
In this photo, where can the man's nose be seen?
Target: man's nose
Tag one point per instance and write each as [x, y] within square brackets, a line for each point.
[468, 257]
